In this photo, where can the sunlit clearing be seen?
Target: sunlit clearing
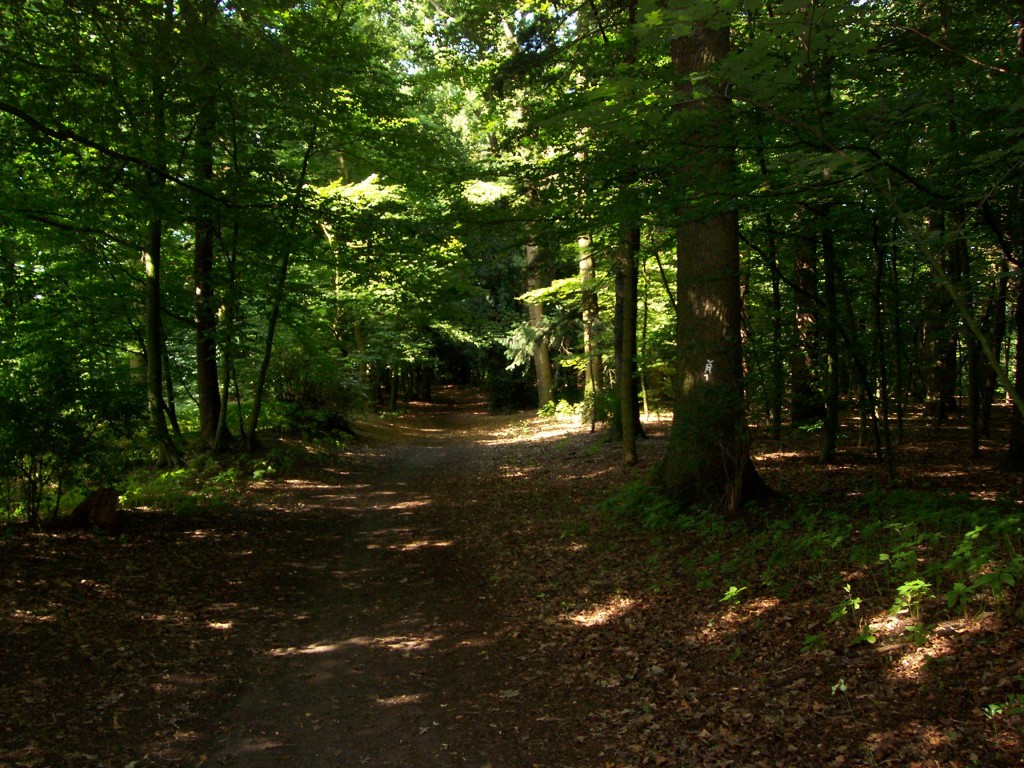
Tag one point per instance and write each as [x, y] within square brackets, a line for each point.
[408, 698]
[307, 650]
[221, 625]
[604, 612]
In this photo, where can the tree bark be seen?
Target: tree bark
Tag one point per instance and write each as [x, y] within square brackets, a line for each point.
[625, 344]
[590, 314]
[806, 403]
[830, 424]
[535, 310]
[200, 15]
[707, 461]
[167, 452]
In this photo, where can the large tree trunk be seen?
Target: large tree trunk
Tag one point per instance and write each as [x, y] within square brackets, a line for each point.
[707, 461]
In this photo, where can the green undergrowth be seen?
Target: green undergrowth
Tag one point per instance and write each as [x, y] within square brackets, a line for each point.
[928, 557]
[214, 481]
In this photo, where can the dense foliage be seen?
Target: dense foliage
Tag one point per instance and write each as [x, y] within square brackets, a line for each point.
[248, 214]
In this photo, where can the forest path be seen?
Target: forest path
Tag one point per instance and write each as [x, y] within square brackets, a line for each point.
[393, 655]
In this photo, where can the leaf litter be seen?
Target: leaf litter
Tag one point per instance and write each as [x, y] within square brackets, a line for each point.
[608, 649]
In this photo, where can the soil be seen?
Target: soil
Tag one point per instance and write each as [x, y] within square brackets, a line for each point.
[447, 591]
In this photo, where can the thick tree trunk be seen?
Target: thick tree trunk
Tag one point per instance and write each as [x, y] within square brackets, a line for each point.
[707, 462]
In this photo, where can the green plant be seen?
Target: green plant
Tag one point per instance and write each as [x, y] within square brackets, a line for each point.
[732, 595]
[814, 643]
[909, 596]
[1013, 705]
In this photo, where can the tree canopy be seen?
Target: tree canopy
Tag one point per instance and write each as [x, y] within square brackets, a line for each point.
[219, 217]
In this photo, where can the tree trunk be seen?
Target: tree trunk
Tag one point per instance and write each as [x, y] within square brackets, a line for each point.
[535, 310]
[625, 344]
[1015, 450]
[939, 342]
[806, 406]
[167, 452]
[590, 310]
[830, 424]
[278, 294]
[200, 15]
[707, 461]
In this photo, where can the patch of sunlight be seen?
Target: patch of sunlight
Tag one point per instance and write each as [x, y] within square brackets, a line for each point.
[406, 698]
[746, 611]
[768, 455]
[404, 643]
[306, 650]
[412, 546]
[733, 618]
[604, 612]
[411, 504]
[221, 625]
[34, 617]
[940, 641]
[512, 471]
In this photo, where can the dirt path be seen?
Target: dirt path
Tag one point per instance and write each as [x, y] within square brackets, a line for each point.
[453, 593]
[394, 656]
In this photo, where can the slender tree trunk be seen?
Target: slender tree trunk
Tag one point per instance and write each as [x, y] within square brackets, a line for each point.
[592, 370]
[167, 452]
[777, 373]
[200, 15]
[278, 294]
[1015, 449]
[806, 404]
[939, 344]
[625, 351]
[535, 310]
[830, 425]
[880, 352]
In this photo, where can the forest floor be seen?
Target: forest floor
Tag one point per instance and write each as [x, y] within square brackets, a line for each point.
[450, 591]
